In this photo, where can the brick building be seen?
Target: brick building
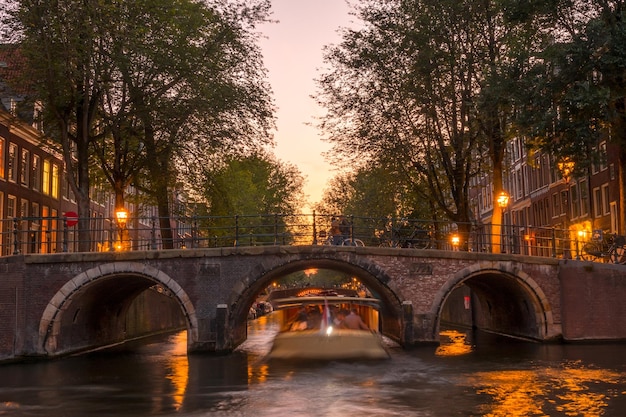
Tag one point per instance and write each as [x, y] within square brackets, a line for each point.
[34, 190]
[541, 200]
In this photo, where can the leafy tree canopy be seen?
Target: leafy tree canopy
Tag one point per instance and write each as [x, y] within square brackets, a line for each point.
[254, 184]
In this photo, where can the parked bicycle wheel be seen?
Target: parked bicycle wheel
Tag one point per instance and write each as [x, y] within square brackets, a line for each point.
[593, 251]
[352, 242]
[618, 250]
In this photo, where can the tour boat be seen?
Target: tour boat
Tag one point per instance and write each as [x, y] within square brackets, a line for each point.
[309, 329]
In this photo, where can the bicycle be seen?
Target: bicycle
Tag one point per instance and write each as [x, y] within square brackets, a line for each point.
[608, 250]
[352, 242]
[328, 240]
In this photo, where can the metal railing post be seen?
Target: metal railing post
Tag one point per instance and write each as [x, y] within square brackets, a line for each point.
[553, 242]
[111, 248]
[236, 230]
[16, 242]
[65, 235]
[153, 244]
[314, 230]
[194, 232]
[352, 229]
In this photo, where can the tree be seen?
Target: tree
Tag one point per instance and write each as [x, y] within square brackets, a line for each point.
[423, 82]
[66, 74]
[372, 191]
[186, 84]
[251, 186]
[142, 84]
[373, 196]
[573, 95]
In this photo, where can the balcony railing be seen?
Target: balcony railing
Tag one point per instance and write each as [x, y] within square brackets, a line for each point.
[55, 234]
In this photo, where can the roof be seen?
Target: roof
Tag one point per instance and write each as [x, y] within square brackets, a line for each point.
[13, 87]
[11, 68]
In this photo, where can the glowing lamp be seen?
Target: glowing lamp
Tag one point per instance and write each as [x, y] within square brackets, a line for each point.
[121, 216]
[503, 200]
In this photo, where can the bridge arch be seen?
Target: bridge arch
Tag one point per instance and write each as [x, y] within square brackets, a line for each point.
[503, 300]
[371, 275]
[110, 286]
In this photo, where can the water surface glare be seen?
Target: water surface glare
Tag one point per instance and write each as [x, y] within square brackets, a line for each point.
[488, 377]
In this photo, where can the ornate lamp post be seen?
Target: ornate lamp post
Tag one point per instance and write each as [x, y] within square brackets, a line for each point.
[566, 168]
[503, 202]
[121, 216]
[580, 239]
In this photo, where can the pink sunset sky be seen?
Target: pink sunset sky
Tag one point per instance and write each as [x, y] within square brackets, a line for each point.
[292, 50]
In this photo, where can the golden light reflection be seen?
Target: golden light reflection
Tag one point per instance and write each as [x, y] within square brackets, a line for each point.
[453, 343]
[522, 392]
[514, 393]
[257, 372]
[577, 397]
[179, 368]
[310, 271]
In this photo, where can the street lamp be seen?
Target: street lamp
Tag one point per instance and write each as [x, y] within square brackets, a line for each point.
[503, 202]
[456, 241]
[580, 239]
[566, 168]
[121, 216]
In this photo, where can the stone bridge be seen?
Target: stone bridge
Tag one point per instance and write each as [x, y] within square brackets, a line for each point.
[56, 304]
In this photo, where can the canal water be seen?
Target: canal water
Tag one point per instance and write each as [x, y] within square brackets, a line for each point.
[468, 375]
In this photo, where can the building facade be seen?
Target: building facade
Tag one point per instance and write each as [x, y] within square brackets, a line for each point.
[548, 205]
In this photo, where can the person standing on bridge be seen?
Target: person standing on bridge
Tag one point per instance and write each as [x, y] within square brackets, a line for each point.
[335, 231]
[344, 227]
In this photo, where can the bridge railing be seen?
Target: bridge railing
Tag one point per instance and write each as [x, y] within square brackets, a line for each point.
[58, 234]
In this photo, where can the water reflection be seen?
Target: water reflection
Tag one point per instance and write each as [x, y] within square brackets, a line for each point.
[178, 367]
[454, 343]
[470, 374]
[572, 389]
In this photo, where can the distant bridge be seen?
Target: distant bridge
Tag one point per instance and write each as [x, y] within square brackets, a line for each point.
[56, 304]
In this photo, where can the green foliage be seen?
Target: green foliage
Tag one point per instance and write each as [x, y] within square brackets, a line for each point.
[139, 86]
[573, 94]
[255, 187]
[422, 88]
[376, 192]
[370, 197]
[255, 184]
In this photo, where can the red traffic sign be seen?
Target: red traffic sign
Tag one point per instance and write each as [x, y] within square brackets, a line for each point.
[71, 218]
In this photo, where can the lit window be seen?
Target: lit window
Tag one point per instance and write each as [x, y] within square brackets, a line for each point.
[55, 181]
[46, 178]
